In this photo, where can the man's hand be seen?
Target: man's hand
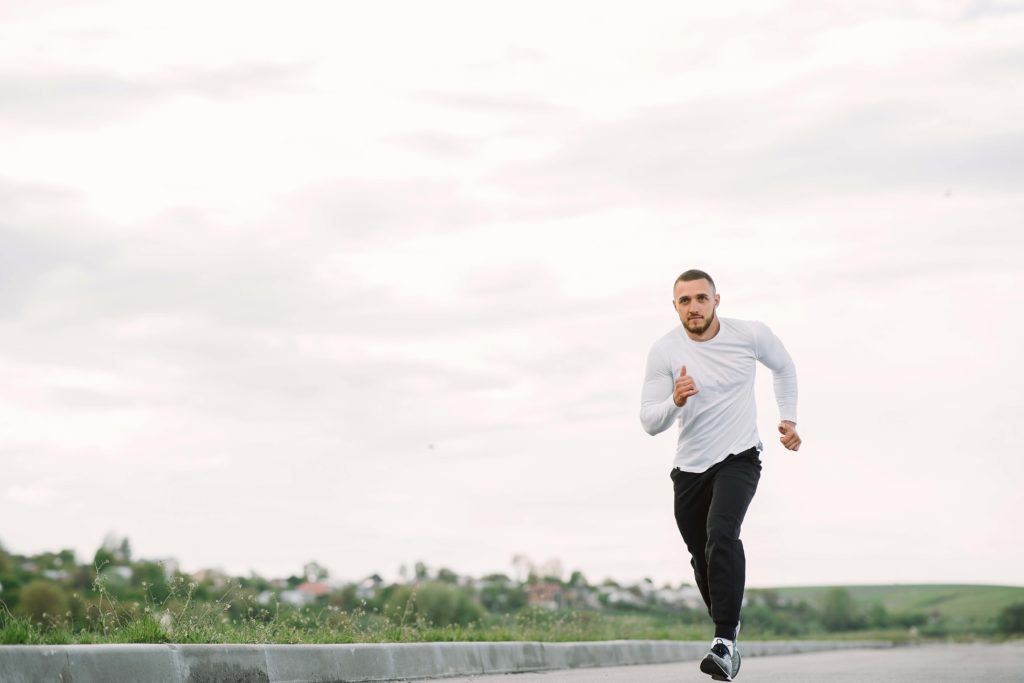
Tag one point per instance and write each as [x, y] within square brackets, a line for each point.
[685, 388]
[790, 439]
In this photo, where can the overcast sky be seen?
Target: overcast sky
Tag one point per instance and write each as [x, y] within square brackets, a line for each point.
[374, 282]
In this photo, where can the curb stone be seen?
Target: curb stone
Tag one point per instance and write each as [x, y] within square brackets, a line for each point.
[353, 663]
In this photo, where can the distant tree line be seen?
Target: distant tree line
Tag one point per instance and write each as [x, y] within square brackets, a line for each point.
[53, 588]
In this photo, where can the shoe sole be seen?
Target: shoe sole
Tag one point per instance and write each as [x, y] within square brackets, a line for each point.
[712, 668]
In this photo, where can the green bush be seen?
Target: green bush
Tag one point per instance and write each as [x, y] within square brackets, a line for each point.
[838, 613]
[498, 598]
[438, 603]
[1011, 618]
[42, 601]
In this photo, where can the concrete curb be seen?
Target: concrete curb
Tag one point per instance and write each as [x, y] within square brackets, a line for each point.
[352, 663]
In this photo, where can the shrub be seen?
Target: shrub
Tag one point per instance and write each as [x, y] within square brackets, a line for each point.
[838, 612]
[42, 601]
[438, 603]
[1011, 618]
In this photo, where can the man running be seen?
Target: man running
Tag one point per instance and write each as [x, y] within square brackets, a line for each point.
[701, 376]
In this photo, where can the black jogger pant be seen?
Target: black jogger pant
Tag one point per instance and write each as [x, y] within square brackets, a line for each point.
[709, 508]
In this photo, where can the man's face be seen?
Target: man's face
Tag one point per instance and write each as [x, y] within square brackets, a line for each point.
[695, 302]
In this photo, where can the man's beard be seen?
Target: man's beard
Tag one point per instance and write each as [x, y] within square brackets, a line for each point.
[702, 329]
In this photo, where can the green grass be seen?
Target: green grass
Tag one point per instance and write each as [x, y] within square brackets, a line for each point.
[329, 626]
[957, 602]
[964, 612]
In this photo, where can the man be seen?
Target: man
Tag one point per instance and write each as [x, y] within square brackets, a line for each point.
[701, 376]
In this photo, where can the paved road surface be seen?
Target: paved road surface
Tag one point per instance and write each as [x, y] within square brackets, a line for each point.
[921, 664]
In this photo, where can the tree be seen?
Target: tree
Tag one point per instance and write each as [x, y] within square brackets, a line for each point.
[878, 616]
[314, 572]
[445, 575]
[114, 550]
[838, 612]
[102, 558]
[499, 596]
[347, 598]
[151, 577]
[124, 551]
[5, 561]
[438, 603]
[42, 601]
[523, 567]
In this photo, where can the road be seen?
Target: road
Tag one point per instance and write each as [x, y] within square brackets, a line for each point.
[921, 664]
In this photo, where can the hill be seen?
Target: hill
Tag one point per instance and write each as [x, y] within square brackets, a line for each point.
[967, 603]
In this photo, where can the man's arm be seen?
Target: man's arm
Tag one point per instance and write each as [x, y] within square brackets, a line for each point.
[658, 409]
[773, 355]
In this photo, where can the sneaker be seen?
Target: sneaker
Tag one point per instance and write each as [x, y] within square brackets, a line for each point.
[736, 651]
[718, 663]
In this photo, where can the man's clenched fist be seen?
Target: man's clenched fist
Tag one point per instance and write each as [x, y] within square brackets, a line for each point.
[685, 388]
[790, 439]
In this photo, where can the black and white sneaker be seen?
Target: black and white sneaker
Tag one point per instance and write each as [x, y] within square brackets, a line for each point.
[719, 663]
[736, 652]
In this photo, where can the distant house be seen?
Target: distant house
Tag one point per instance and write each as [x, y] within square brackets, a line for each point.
[297, 598]
[686, 596]
[547, 595]
[214, 576]
[581, 598]
[368, 587]
[314, 588]
[620, 597]
[119, 571]
[304, 594]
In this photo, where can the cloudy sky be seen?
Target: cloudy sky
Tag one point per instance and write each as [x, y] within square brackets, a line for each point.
[374, 282]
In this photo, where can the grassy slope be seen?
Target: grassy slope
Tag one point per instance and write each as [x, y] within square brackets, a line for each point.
[955, 601]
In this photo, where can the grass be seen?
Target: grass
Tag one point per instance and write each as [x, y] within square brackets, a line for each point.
[331, 626]
[970, 604]
[235, 619]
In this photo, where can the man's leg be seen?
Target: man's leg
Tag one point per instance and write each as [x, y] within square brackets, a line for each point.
[693, 493]
[734, 485]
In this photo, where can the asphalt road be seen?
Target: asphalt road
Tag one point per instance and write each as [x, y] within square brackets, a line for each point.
[920, 664]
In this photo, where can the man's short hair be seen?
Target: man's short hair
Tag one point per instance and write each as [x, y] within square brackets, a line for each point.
[694, 274]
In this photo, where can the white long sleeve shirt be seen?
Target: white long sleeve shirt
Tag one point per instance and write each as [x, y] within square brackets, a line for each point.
[721, 418]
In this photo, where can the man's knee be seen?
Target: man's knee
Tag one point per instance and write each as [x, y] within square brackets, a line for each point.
[723, 529]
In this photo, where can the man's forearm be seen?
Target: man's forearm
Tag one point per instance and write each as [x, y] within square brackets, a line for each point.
[784, 381]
